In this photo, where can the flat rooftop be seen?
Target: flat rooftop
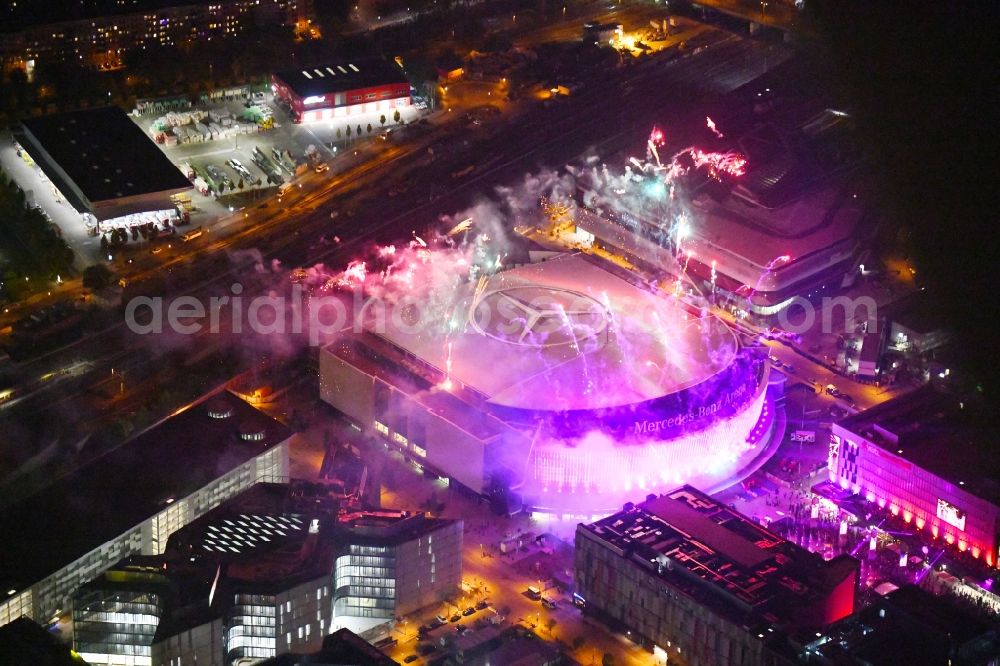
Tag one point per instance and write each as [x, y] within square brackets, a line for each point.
[124, 487]
[342, 76]
[566, 334]
[950, 435]
[103, 152]
[377, 358]
[743, 561]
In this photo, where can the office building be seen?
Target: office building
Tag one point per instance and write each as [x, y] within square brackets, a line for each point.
[131, 499]
[691, 578]
[271, 571]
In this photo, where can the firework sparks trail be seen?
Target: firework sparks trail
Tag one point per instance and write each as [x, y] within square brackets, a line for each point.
[711, 125]
[464, 225]
[731, 163]
[655, 141]
[447, 383]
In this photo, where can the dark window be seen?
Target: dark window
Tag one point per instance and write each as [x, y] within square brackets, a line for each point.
[380, 400]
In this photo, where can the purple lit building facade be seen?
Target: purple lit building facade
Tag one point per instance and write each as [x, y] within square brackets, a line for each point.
[924, 458]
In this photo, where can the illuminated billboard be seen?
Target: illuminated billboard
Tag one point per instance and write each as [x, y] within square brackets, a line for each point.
[951, 514]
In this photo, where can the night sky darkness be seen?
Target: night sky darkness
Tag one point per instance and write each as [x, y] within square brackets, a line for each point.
[920, 76]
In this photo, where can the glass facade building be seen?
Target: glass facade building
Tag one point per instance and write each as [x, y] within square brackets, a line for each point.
[115, 618]
[364, 587]
[250, 628]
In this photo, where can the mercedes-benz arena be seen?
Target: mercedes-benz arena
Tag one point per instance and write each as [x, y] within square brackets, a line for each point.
[342, 89]
[569, 382]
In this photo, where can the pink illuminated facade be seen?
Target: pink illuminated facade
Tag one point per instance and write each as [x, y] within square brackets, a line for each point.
[910, 457]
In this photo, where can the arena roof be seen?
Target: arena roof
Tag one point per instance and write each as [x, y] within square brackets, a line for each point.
[566, 334]
[104, 153]
[119, 490]
[343, 76]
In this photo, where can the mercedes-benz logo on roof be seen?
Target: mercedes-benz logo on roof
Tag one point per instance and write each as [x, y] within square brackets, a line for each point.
[533, 316]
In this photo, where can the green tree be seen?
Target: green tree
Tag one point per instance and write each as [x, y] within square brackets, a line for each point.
[382, 120]
[550, 624]
[369, 128]
[339, 134]
[96, 276]
[396, 116]
[359, 130]
[348, 131]
[240, 184]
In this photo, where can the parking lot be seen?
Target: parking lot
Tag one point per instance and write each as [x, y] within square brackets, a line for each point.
[213, 159]
[216, 158]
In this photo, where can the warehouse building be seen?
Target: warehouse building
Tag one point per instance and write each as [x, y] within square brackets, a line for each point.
[102, 163]
[342, 89]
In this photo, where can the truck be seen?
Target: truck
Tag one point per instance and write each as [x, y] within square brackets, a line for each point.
[283, 159]
[267, 166]
[191, 235]
[534, 592]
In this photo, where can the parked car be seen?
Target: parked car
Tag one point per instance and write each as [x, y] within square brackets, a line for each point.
[456, 617]
[469, 611]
